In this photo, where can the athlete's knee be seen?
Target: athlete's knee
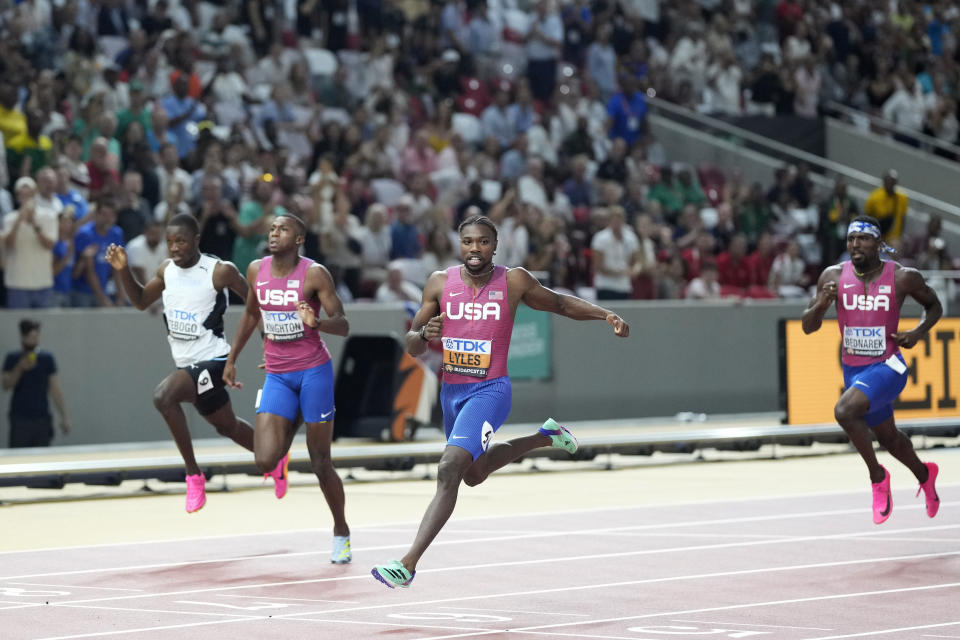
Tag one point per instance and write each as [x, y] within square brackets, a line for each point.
[163, 399]
[449, 473]
[845, 411]
[266, 461]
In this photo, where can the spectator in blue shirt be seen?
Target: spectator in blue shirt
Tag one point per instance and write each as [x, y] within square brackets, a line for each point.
[69, 196]
[183, 110]
[627, 111]
[91, 282]
[404, 236]
[577, 187]
[64, 258]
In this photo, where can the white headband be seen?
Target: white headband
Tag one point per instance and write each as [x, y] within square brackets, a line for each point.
[861, 226]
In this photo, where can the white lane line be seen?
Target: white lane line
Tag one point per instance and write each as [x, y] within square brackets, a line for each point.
[68, 586]
[234, 595]
[123, 632]
[216, 614]
[539, 629]
[543, 534]
[883, 632]
[540, 613]
[528, 514]
[744, 624]
[515, 563]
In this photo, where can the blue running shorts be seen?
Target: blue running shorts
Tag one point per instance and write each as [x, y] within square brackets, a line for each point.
[881, 382]
[473, 411]
[309, 392]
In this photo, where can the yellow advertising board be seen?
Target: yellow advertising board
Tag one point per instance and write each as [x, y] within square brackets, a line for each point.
[811, 379]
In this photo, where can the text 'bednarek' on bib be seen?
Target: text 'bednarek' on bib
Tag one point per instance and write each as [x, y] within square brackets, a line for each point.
[467, 357]
[865, 341]
[281, 326]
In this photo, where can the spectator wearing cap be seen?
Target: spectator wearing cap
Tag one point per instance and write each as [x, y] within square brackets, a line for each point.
[32, 376]
[404, 236]
[183, 111]
[888, 205]
[68, 195]
[544, 47]
[135, 111]
[446, 76]
[29, 234]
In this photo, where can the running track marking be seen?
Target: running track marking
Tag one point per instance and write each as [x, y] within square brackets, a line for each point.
[312, 616]
[530, 514]
[595, 531]
[744, 624]
[538, 630]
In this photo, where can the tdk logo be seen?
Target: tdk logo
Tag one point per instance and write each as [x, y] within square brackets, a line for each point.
[277, 297]
[474, 311]
[865, 332]
[457, 344]
[281, 316]
[860, 302]
[177, 314]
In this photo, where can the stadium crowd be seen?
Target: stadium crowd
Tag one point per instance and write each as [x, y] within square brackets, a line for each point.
[383, 124]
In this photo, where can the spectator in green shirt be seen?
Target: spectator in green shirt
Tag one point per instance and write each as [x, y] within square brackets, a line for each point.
[755, 214]
[692, 193]
[253, 223]
[667, 193]
[137, 111]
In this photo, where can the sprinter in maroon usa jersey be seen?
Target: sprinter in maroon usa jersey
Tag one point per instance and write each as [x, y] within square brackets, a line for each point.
[869, 292]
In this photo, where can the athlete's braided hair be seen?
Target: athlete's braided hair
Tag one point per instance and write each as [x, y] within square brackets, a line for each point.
[481, 220]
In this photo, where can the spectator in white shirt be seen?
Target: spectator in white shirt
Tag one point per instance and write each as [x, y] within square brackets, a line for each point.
[29, 234]
[706, 286]
[146, 253]
[907, 106]
[788, 277]
[615, 250]
[397, 289]
[375, 242]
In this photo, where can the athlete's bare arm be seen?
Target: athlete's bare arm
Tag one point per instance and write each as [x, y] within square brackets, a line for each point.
[319, 284]
[524, 287]
[227, 276]
[248, 322]
[820, 304]
[141, 296]
[909, 282]
[428, 315]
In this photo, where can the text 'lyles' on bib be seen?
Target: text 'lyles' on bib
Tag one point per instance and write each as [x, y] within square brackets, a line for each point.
[467, 357]
[865, 341]
[184, 325]
[282, 326]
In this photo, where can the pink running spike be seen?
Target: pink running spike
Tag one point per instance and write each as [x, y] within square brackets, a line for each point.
[929, 490]
[882, 500]
[196, 495]
[279, 475]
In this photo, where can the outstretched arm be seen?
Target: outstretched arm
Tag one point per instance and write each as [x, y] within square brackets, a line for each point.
[536, 296]
[427, 324]
[915, 286]
[248, 322]
[141, 296]
[820, 304]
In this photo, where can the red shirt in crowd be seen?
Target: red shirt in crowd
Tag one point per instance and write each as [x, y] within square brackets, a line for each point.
[733, 272]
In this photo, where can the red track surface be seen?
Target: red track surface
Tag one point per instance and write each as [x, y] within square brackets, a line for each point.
[806, 568]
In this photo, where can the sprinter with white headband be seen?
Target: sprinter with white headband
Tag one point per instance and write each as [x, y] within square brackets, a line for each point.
[869, 293]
